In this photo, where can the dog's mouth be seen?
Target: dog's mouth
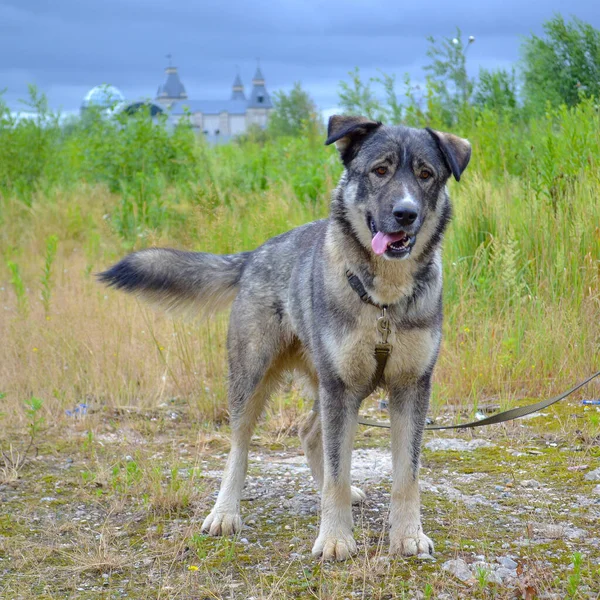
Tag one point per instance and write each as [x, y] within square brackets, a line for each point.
[394, 245]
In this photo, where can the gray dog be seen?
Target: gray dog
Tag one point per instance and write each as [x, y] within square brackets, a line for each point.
[349, 303]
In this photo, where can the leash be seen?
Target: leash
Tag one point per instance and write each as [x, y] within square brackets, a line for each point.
[507, 415]
[383, 350]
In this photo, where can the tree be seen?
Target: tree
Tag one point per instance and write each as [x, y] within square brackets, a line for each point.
[357, 98]
[292, 113]
[448, 71]
[496, 90]
[562, 66]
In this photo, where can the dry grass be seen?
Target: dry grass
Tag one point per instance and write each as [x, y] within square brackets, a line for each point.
[101, 348]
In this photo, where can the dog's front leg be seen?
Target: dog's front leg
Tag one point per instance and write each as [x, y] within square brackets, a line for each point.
[339, 414]
[408, 408]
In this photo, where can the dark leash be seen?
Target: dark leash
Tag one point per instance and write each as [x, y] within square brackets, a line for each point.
[383, 350]
[507, 415]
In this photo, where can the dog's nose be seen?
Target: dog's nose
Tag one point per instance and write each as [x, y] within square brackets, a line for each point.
[405, 212]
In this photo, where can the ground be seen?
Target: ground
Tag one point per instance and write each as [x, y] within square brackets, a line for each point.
[110, 506]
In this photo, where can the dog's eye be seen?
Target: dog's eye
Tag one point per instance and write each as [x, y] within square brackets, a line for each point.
[424, 174]
[381, 170]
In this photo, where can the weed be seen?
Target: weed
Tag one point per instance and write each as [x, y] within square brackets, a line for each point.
[427, 592]
[18, 286]
[46, 279]
[14, 460]
[482, 576]
[574, 580]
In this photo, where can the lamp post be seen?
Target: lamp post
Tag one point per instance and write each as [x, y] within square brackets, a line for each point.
[464, 77]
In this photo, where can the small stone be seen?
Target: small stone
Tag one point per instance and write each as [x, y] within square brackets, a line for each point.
[426, 556]
[596, 490]
[459, 568]
[530, 483]
[494, 577]
[503, 573]
[593, 475]
[506, 562]
[457, 445]
[244, 541]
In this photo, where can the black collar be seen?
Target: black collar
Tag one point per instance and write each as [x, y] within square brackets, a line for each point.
[359, 288]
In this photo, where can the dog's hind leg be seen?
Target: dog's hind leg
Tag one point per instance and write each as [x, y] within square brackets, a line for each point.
[253, 375]
[408, 408]
[312, 444]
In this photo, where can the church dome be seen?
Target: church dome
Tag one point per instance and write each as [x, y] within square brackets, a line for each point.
[104, 97]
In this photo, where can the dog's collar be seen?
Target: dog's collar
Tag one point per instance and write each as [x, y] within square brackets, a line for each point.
[359, 288]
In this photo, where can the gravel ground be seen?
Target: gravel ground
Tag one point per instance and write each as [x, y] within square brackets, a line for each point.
[514, 513]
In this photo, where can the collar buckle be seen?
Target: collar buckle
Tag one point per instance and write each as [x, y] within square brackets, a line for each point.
[383, 325]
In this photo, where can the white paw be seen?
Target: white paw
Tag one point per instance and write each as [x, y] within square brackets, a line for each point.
[219, 523]
[410, 545]
[358, 495]
[334, 546]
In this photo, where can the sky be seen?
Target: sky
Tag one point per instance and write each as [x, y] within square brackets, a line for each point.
[66, 47]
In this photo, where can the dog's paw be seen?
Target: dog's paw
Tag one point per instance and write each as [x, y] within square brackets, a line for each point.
[358, 495]
[334, 546]
[410, 545]
[218, 523]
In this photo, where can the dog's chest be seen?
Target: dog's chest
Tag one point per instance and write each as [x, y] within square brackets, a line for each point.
[353, 350]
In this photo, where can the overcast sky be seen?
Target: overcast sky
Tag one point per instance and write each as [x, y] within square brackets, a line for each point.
[66, 47]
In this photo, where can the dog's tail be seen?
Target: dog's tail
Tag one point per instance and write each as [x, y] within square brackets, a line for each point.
[192, 283]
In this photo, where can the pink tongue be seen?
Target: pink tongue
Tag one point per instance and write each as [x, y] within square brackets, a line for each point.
[381, 241]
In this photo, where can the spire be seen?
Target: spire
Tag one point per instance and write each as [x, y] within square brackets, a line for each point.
[237, 91]
[172, 89]
[258, 78]
[259, 98]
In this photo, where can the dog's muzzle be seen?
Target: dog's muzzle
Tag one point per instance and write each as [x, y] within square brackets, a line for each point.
[393, 244]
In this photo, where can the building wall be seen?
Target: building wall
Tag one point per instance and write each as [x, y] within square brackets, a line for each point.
[257, 116]
[227, 124]
[237, 124]
[198, 120]
[224, 123]
[211, 124]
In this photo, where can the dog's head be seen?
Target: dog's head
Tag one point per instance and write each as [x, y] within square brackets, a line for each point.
[395, 179]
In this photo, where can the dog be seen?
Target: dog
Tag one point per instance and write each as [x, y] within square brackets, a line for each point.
[309, 301]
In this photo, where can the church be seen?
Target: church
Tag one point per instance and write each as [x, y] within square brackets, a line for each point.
[219, 120]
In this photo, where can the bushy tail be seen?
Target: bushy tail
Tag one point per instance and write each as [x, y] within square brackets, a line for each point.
[192, 283]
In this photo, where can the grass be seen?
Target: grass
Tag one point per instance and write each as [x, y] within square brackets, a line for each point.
[132, 407]
[89, 516]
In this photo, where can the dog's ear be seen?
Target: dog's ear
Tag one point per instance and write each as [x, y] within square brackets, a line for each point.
[348, 131]
[456, 151]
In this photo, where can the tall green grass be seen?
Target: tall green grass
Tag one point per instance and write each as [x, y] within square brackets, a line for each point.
[522, 258]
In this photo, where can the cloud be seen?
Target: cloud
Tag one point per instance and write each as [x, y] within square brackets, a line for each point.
[68, 46]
